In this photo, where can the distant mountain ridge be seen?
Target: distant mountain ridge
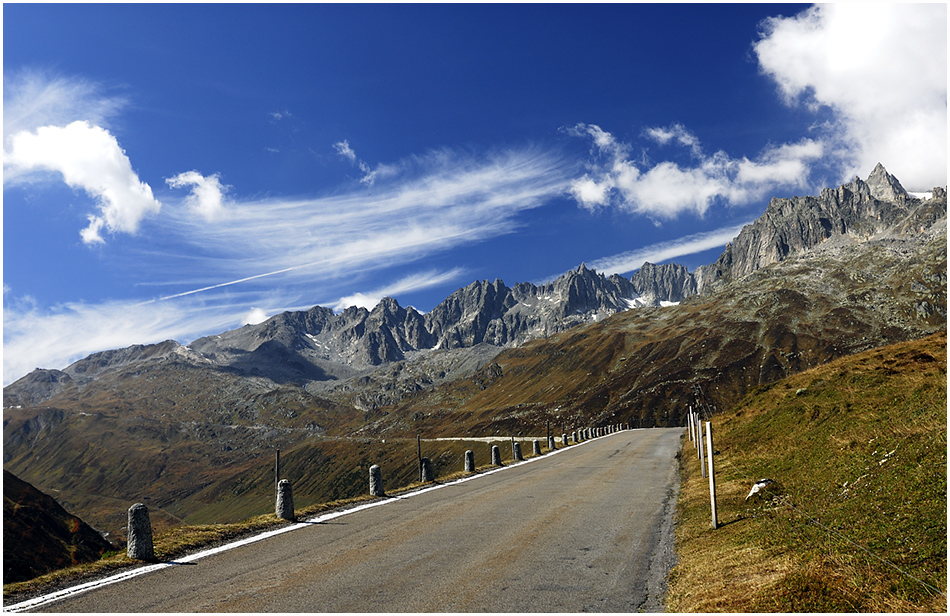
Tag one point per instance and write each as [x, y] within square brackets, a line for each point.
[320, 346]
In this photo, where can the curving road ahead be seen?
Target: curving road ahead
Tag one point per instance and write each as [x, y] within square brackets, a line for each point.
[588, 528]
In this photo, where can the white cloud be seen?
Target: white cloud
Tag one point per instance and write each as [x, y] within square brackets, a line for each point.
[664, 251]
[207, 196]
[882, 69]
[369, 174]
[255, 316]
[89, 158]
[436, 203]
[415, 282]
[667, 190]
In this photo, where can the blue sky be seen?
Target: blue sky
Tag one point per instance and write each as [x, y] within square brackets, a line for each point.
[177, 170]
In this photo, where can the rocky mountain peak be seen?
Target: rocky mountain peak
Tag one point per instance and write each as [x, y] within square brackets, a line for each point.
[885, 187]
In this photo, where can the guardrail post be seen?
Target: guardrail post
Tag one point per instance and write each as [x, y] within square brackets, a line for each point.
[537, 447]
[495, 456]
[712, 475]
[376, 481]
[469, 461]
[140, 534]
[425, 473]
[284, 507]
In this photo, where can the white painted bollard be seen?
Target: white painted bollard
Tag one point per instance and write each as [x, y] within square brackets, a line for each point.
[376, 481]
[140, 534]
[425, 471]
[564, 440]
[551, 443]
[574, 438]
[284, 507]
[516, 452]
[537, 447]
[712, 474]
[701, 448]
[469, 461]
[495, 455]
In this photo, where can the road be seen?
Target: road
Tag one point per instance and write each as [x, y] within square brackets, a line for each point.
[572, 531]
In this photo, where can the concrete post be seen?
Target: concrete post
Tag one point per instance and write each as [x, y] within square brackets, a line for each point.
[537, 447]
[564, 440]
[376, 481]
[516, 452]
[140, 534]
[425, 474]
[469, 461]
[495, 455]
[551, 443]
[285, 501]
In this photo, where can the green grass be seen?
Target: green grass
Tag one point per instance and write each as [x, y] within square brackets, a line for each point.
[859, 447]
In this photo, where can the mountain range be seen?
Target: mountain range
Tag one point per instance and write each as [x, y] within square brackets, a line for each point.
[814, 278]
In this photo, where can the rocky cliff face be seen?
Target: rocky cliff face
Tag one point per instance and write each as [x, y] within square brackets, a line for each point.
[858, 209]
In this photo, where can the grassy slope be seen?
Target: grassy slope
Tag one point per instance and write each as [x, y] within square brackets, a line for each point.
[859, 447]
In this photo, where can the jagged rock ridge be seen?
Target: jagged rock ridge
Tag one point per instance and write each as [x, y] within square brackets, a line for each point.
[320, 346]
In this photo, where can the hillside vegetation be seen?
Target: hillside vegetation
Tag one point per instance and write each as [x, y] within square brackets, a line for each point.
[857, 521]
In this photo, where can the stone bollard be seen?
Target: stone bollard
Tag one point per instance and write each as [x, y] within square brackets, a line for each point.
[426, 475]
[140, 534]
[551, 443]
[574, 437]
[285, 501]
[516, 452]
[469, 461]
[376, 481]
[495, 455]
[564, 440]
[537, 447]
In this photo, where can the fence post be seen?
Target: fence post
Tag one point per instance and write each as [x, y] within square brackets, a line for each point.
[376, 481]
[469, 461]
[140, 534]
[277, 470]
[284, 507]
[712, 475]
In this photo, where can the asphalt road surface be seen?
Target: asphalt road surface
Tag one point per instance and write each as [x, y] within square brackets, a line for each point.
[585, 529]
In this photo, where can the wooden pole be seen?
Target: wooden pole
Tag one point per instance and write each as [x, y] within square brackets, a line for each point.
[712, 475]
[419, 451]
[277, 471]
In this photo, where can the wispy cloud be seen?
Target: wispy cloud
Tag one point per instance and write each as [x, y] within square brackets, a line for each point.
[415, 282]
[438, 202]
[882, 70]
[667, 190]
[627, 262]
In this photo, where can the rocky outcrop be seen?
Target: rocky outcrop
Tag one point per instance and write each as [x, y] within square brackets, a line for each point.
[859, 209]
